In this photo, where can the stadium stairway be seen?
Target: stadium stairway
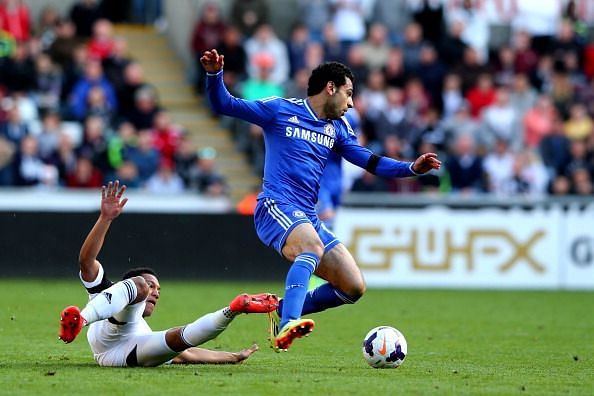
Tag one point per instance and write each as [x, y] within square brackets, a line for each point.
[167, 73]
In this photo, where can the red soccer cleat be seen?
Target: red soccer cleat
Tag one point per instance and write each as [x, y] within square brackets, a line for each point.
[71, 323]
[254, 303]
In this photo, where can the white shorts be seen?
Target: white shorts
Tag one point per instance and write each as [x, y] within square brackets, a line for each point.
[147, 350]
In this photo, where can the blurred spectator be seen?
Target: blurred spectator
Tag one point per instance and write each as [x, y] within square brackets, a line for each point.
[102, 42]
[149, 12]
[392, 117]
[451, 46]
[411, 47]
[539, 19]
[166, 135]
[333, 48]
[46, 26]
[470, 70]
[559, 186]
[127, 174]
[393, 70]
[526, 58]
[504, 66]
[85, 175]
[394, 15]
[98, 105]
[115, 64]
[49, 136]
[62, 48]
[185, 157]
[500, 121]
[203, 176]
[29, 169]
[296, 47]
[64, 157]
[483, 94]
[451, 98]
[461, 123]
[144, 156]
[132, 80]
[554, 148]
[579, 126]
[522, 95]
[476, 28]
[165, 180]
[235, 56]
[314, 14]
[297, 87]
[529, 174]
[465, 166]
[376, 48]
[208, 33]
[348, 20]
[48, 87]
[93, 77]
[119, 144]
[249, 15]
[84, 14]
[17, 73]
[539, 121]
[146, 107]
[429, 14]
[94, 144]
[581, 182]
[265, 42]
[368, 182]
[13, 128]
[262, 85]
[358, 66]
[15, 19]
[74, 71]
[498, 166]
[431, 71]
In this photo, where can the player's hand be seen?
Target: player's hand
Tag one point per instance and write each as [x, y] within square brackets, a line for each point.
[246, 353]
[426, 162]
[212, 61]
[111, 200]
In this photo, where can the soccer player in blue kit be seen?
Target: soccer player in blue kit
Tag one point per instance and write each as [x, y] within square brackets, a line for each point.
[299, 136]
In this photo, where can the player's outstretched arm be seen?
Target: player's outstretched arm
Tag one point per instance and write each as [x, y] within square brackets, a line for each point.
[111, 207]
[206, 356]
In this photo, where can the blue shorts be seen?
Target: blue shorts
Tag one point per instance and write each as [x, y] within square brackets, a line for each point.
[275, 220]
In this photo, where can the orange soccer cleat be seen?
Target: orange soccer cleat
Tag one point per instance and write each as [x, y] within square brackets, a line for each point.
[291, 331]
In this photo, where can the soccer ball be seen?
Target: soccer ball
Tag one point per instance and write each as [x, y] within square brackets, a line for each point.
[384, 347]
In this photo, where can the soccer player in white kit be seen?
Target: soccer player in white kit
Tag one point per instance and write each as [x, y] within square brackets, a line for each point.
[118, 334]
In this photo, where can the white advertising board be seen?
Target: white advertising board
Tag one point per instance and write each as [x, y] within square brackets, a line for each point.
[484, 248]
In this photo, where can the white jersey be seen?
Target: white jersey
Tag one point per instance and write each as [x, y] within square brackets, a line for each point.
[114, 338]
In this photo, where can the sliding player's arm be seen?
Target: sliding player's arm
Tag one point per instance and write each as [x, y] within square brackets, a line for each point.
[206, 356]
[258, 112]
[385, 166]
[111, 207]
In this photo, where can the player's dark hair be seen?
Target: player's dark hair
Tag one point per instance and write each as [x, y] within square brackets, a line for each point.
[138, 272]
[329, 71]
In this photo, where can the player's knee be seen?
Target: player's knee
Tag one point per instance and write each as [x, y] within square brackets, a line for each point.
[355, 291]
[315, 247]
[142, 288]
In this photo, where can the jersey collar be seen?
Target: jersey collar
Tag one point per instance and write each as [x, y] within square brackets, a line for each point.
[306, 102]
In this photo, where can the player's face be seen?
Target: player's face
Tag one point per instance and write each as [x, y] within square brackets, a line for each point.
[154, 293]
[340, 101]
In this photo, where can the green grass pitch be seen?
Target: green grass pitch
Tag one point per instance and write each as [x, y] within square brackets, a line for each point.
[460, 342]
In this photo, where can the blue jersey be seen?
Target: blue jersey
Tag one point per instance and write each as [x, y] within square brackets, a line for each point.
[331, 183]
[298, 144]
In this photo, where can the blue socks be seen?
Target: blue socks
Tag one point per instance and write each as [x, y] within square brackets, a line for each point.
[322, 298]
[296, 286]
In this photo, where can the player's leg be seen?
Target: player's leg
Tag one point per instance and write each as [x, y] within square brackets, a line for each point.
[345, 282]
[160, 347]
[106, 304]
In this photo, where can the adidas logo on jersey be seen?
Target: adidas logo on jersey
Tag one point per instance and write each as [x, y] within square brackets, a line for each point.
[294, 120]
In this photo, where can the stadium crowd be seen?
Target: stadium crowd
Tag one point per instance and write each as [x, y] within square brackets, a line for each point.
[76, 109]
[503, 90]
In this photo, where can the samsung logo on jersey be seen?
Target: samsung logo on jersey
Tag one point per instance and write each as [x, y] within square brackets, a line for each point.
[313, 137]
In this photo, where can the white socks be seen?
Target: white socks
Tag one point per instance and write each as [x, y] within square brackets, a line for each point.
[207, 327]
[110, 301]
